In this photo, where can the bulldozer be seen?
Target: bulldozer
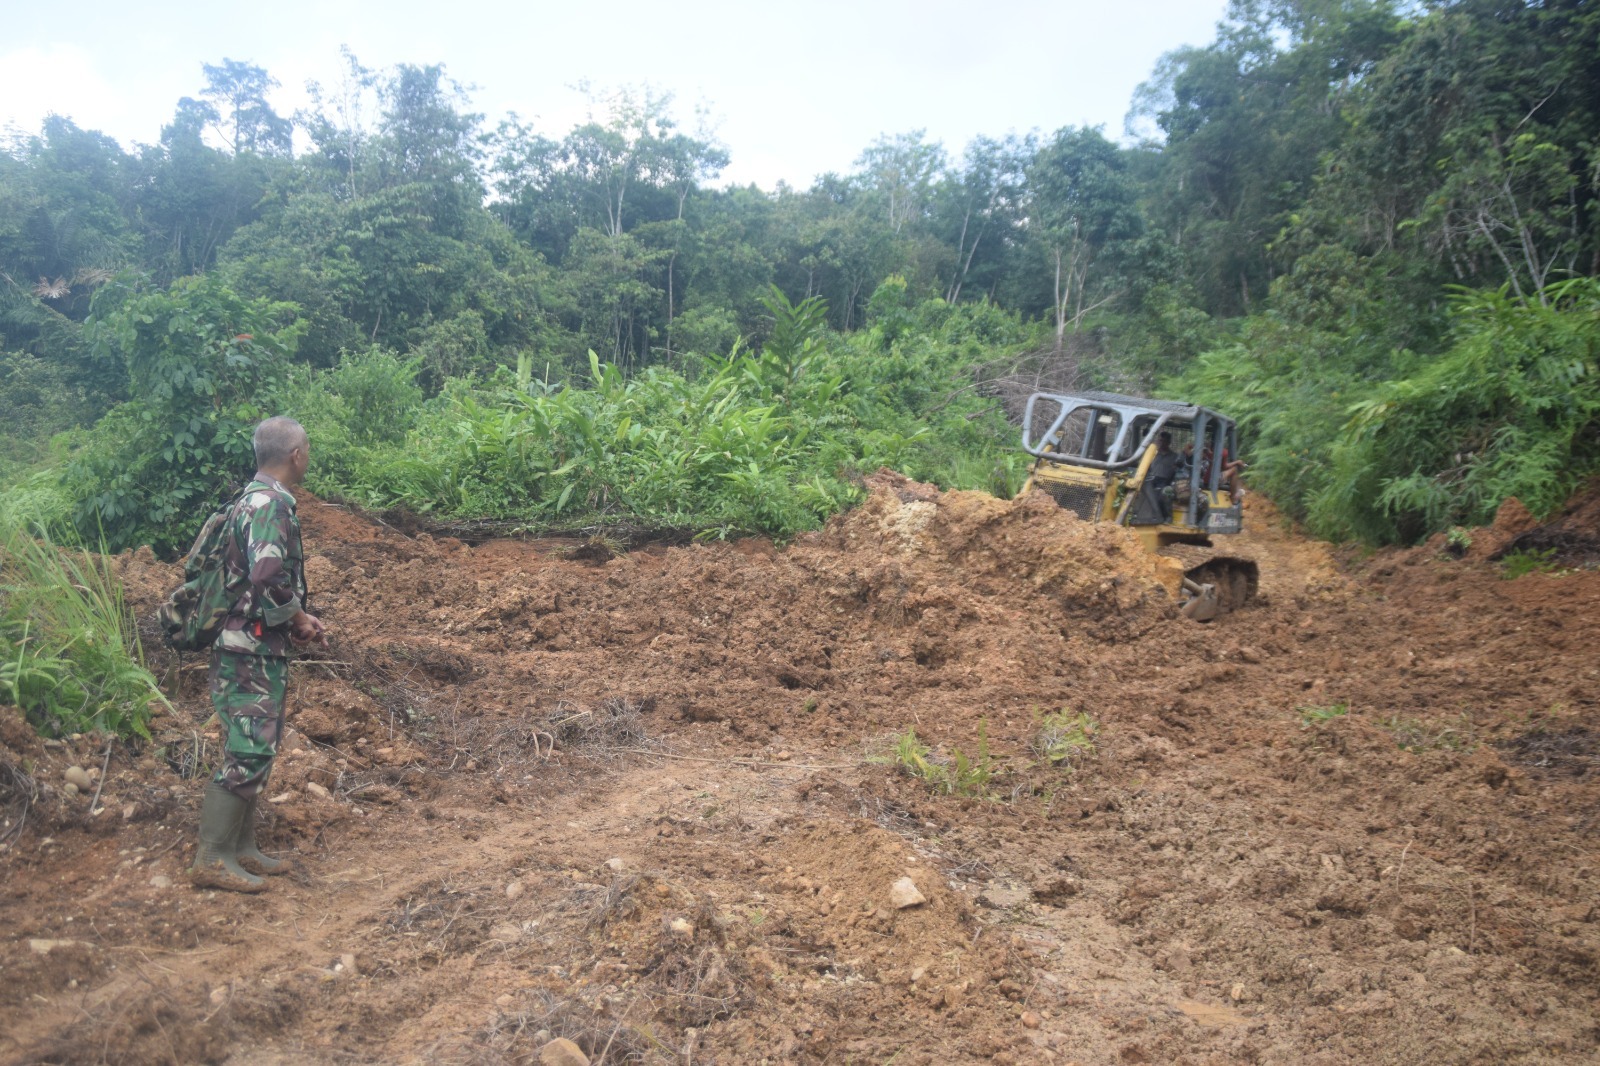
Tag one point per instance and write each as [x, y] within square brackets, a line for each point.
[1160, 468]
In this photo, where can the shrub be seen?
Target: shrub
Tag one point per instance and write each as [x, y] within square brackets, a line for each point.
[202, 366]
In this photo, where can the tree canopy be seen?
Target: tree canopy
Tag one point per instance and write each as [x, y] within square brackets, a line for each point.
[1343, 211]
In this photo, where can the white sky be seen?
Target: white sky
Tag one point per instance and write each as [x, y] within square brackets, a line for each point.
[793, 90]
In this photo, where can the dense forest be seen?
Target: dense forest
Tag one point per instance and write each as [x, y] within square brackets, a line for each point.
[1369, 230]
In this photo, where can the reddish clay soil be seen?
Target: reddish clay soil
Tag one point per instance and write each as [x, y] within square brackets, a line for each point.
[648, 803]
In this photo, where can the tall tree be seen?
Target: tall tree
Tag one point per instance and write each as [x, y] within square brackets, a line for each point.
[339, 125]
[1472, 155]
[1246, 120]
[898, 173]
[243, 119]
[979, 209]
[1083, 214]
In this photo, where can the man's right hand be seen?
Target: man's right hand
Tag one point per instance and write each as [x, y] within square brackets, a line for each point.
[307, 629]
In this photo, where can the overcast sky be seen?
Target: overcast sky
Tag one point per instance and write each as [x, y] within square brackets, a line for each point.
[793, 90]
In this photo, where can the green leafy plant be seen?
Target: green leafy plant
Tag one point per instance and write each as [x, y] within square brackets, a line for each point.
[1064, 739]
[1312, 716]
[769, 442]
[959, 774]
[202, 363]
[1458, 540]
[1411, 446]
[1529, 561]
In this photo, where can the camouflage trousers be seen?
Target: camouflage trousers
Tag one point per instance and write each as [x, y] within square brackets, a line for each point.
[247, 692]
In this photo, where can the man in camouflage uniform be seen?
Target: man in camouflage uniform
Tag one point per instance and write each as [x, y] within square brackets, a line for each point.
[250, 659]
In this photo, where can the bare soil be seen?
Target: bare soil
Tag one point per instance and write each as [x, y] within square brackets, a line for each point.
[648, 802]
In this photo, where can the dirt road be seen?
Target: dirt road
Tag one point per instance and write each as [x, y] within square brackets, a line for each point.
[649, 803]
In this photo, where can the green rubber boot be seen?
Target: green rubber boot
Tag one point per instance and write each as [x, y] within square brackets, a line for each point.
[244, 845]
[215, 865]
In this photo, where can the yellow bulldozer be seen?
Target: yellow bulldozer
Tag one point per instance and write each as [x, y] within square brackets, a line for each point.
[1165, 470]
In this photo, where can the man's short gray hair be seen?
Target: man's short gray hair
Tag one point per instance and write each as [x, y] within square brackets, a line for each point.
[276, 438]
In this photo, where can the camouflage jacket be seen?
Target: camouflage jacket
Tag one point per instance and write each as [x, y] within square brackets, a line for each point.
[264, 544]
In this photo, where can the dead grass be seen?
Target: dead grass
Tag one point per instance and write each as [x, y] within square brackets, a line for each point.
[650, 965]
[517, 1034]
[442, 920]
[612, 729]
[618, 722]
[195, 758]
[18, 793]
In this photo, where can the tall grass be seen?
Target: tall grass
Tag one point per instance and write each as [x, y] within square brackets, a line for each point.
[69, 652]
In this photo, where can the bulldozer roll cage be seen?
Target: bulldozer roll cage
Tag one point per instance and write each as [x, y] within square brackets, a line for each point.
[1114, 433]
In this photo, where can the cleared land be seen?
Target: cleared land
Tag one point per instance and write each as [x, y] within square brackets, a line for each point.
[642, 801]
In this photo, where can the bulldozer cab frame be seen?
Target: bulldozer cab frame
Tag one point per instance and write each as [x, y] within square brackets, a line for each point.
[1094, 453]
[1114, 438]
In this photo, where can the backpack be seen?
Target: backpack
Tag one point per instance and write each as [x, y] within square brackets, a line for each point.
[194, 612]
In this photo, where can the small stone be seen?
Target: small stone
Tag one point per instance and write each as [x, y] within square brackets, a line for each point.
[504, 999]
[70, 789]
[1236, 993]
[514, 890]
[903, 893]
[219, 995]
[129, 810]
[918, 973]
[506, 931]
[316, 789]
[614, 865]
[562, 1052]
[784, 756]
[1031, 1020]
[161, 881]
[348, 961]
[663, 889]
[681, 926]
[76, 775]
[282, 797]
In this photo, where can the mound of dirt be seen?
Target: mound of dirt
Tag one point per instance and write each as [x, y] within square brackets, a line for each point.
[651, 803]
